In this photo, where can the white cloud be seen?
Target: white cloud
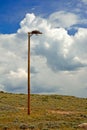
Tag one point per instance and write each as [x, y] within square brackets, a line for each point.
[57, 59]
[79, 46]
[2, 87]
[85, 1]
[63, 19]
[19, 74]
[16, 81]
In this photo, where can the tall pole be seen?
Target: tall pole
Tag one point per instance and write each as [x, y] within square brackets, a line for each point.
[28, 73]
[29, 35]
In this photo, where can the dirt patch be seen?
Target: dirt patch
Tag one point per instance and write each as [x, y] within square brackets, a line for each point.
[22, 108]
[61, 112]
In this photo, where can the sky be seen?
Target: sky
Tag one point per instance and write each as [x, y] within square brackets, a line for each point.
[58, 56]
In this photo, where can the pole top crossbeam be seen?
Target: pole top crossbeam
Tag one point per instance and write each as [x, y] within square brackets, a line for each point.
[34, 32]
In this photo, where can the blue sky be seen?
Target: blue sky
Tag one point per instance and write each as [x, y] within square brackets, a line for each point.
[58, 57]
[12, 12]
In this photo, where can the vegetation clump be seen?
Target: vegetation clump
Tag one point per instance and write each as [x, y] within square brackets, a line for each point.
[23, 126]
[5, 128]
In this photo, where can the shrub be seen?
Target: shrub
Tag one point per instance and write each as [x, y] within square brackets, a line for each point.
[5, 128]
[40, 126]
[32, 127]
[23, 126]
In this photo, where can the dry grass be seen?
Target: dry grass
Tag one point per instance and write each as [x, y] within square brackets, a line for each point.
[48, 112]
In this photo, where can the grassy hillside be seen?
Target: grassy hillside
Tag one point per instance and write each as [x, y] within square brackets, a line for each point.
[48, 112]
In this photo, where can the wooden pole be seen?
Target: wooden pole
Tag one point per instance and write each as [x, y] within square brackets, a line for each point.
[29, 35]
[28, 73]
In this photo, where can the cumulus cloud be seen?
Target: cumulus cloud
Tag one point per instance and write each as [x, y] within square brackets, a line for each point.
[16, 80]
[57, 42]
[63, 19]
[53, 51]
